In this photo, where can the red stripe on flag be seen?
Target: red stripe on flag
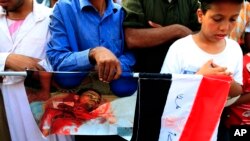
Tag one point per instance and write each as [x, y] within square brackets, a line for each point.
[207, 108]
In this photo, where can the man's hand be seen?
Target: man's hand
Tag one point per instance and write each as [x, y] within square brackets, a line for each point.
[107, 64]
[18, 62]
[153, 24]
[182, 31]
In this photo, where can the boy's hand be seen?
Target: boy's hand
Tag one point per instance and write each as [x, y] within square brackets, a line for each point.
[209, 68]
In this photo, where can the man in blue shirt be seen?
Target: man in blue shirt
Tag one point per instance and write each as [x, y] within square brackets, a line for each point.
[87, 35]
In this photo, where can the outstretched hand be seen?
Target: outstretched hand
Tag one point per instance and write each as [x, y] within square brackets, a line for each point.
[210, 68]
[107, 64]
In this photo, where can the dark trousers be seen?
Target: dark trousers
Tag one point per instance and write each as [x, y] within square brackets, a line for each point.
[4, 129]
[223, 131]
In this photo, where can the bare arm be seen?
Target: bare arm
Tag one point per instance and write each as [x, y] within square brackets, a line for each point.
[149, 37]
[244, 98]
[18, 62]
[235, 89]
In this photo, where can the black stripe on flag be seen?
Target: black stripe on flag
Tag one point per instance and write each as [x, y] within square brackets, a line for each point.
[151, 99]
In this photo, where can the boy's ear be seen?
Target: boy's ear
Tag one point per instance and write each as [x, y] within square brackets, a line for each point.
[199, 14]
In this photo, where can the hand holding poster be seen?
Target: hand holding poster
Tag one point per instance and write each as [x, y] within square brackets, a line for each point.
[78, 104]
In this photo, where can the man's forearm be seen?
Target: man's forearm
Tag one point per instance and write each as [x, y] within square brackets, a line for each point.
[235, 89]
[244, 98]
[150, 37]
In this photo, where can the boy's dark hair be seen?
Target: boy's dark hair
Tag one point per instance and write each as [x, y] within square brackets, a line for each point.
[206, 4]
[79, 92]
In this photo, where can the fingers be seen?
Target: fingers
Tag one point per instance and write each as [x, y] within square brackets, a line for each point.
[107, 64]
[18, 62]
[110, 74]
[101, 68]
[220, 70]
[32, 64]
[210, 68]
[118, 72]
[40, 68]
[35, 67]
[214, 65]
[154, 25]
[109, 70]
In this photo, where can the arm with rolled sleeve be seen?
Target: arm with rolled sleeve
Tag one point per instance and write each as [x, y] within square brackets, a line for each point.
[62, 52]
[63, 48]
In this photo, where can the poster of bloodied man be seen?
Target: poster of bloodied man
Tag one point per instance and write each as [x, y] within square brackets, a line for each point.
[77, 103]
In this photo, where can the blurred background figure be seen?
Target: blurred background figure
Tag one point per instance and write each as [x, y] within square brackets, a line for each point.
[241, 32]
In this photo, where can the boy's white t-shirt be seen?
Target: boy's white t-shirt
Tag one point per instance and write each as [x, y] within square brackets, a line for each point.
[185, 57]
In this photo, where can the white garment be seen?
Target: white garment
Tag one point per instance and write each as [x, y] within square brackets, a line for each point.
[30, 41]
[185, 57]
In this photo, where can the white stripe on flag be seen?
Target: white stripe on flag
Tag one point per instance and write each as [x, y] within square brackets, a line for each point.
[193, 107]
[178, 106]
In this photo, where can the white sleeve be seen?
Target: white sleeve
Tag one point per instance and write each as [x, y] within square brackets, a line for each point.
[46, 64]
[3, 57]
[238, 76]
[171, 63]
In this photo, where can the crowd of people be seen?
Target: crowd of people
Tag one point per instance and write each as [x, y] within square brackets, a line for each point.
[113, 37]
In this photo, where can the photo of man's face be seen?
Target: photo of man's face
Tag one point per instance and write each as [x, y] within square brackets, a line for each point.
[90, 100]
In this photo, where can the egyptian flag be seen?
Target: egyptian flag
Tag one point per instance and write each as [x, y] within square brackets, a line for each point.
[179, 107]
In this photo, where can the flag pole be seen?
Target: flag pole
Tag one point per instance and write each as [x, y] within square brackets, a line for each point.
[24, 73]
[13, 73]
[124, 74]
